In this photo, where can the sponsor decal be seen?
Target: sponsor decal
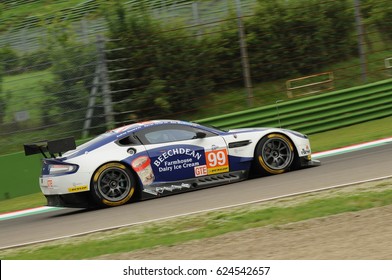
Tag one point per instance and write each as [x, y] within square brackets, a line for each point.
[49, 183]
[217, 161]
[201, 163]
[201, 171]
[178, 164]
[171, 188]
[78, 188]
[174, 152]
[306, 150]
[142, 166]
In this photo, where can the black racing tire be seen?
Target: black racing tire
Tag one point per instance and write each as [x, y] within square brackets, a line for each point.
[274, 154]
[113, 184]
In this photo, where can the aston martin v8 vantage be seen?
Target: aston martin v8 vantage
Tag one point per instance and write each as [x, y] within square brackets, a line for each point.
[160, 157]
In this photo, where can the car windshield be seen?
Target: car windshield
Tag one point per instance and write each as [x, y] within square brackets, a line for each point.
[212, 126]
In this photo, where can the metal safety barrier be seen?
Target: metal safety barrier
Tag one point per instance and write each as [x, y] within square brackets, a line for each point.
[317, 113]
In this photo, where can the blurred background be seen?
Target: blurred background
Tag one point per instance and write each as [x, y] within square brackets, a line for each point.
[78, 68]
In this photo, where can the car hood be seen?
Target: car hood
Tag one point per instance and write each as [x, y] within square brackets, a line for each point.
[248, 129]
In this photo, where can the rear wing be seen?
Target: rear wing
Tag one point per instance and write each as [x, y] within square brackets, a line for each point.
[52, 147]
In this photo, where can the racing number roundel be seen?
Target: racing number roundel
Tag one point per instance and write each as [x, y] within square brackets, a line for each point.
[217, 161]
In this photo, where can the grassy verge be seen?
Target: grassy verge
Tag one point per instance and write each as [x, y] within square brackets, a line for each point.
[22, 202]
[364, 132]
[179, 230]
[25, 91]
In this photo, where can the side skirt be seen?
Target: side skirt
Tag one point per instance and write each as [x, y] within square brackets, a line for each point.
[193, 184]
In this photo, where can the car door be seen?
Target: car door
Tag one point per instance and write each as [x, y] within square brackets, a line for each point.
[180, 152]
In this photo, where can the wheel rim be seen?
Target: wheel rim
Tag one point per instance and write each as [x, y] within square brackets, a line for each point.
[114, 184]
[277, 154]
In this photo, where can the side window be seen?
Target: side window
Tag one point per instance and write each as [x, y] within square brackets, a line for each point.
[127, 141]
[169, 133]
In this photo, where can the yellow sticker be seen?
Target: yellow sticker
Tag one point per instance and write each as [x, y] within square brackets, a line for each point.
[220, 169]
[78, 189]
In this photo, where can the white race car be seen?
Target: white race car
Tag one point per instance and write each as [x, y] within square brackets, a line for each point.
[161, 157]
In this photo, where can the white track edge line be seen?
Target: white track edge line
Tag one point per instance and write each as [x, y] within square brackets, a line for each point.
[25, 212]
[198, 212]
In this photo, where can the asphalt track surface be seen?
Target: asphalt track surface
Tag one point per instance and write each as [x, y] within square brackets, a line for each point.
[335, 170]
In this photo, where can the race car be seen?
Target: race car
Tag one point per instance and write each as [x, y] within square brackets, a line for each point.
[155, 158]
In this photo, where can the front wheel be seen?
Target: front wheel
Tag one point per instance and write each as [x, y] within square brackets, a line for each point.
[113, 185]
[274, 154]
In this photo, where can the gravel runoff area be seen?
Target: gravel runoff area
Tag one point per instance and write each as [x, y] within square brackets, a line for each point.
[354, 235]
[364, 235]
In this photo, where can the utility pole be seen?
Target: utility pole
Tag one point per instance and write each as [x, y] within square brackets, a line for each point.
[244, 56]
[106, 95]
[196, 18]
[100, 81]
[361, 39]
[91, 102]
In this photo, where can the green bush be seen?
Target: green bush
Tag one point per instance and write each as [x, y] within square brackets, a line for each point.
[164, 72]
[3, 104]
[9, 59]
[378, 13]
[167, 70]
[73, 67]
[35, 61]
[224, 51]
[287, 38]
[14, 64]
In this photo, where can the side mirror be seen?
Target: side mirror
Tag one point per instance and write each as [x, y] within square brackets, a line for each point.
[200, 134]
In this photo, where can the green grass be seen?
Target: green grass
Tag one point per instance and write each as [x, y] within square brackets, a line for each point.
[25, 92]
[44, 10]
[39, 9]
[22, 180]
[175, 231]
[22, 202]
[350, 135]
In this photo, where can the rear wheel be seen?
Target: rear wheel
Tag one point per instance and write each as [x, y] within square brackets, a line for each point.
[274, 154]
[113, 184]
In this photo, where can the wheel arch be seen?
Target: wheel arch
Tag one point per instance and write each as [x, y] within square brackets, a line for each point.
[139, 186]
[295, 162]
[129, 168]
[281, 133]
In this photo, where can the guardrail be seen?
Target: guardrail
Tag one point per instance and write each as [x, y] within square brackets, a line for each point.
[317, 113]
[308, 115]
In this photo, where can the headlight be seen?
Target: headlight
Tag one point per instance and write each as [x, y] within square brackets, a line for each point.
[58, 169]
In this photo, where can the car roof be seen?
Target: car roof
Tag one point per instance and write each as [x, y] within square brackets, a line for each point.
[126, 129]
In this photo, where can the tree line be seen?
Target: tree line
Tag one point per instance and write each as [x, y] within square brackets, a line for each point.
[162, 68]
